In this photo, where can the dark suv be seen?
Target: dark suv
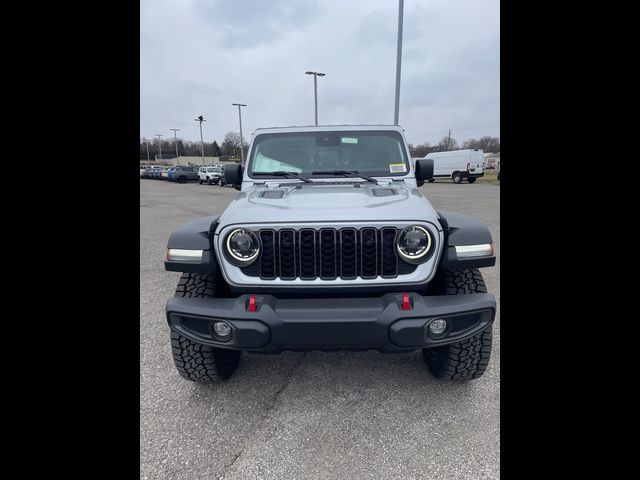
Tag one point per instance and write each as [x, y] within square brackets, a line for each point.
[185, 174]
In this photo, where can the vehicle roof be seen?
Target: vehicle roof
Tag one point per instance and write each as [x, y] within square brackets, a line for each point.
[457, 151]
[327, 128]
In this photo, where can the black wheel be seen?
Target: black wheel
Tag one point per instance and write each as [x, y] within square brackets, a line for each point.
[195, 361]
[468, 359]
[456, 177]
[432, 180]
[182, 180]
[498, 176]
[200, 182]
[471, 179]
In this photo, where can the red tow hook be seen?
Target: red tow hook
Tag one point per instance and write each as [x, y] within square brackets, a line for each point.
[252, 307]
[406, 302]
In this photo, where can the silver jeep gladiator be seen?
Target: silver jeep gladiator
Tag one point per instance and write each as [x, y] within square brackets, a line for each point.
[330, 245]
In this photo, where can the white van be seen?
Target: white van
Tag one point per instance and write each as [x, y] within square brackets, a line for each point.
[458, 165]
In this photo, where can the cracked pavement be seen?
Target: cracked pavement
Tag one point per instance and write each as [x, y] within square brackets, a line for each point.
[357, 415]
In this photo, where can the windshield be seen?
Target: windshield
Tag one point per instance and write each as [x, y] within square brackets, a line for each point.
[374, 153]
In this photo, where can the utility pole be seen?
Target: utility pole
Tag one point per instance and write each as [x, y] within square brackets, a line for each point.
[175, 135]
[147, 144]
[240, 118]
[315, 89]
[200, 119]
[449, 142]
[160, 143]
[396, 114]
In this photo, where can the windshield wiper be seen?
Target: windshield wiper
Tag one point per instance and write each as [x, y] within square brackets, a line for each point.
[345, 173]
[281, 173]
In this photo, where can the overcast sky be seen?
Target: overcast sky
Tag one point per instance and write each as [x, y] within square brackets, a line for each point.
[199, 56]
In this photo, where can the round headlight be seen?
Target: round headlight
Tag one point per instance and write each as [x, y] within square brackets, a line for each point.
[413, 244]
[243, 246]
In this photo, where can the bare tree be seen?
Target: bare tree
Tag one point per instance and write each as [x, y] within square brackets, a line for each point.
[486, 144]
[231, 144]
[420, 151]
[446, 144]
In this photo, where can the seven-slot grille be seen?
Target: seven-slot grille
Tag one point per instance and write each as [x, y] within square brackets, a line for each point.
[328, 253]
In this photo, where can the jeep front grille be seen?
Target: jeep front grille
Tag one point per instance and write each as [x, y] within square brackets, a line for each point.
[328, 253]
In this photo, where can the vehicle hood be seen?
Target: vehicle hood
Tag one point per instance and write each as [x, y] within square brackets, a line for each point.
[329, 203]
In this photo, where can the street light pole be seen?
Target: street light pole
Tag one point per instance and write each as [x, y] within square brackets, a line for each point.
[240, 118]
[160, 143]
[175, 135]
[396, 114]
[147, 144]
[200, 119]
[315, 89]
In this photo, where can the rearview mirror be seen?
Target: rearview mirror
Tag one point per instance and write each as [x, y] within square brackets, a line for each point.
[424, 170]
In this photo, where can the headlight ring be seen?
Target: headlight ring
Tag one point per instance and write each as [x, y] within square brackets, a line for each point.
[242, 247]
[414, 244]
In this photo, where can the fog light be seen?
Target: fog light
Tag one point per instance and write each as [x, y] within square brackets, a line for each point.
[222, 329]
[438, 326]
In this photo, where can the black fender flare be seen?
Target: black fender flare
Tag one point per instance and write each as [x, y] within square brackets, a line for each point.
[195, 235]
[460, 229]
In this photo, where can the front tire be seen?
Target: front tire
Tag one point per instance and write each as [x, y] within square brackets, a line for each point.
[194, 361]
[471, 179]
[456, 177]
[466, 360]
[182, 180]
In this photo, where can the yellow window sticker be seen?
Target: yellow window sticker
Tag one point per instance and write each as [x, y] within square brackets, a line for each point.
[397, 168]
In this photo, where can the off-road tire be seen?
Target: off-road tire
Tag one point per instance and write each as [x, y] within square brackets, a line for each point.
[471, 179]
[456, 177]
[195, 361]
[466, 360]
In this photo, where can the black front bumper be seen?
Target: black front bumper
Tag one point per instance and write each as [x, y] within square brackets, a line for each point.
[331, 323]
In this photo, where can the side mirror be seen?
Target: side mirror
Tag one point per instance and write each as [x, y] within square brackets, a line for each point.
[424, 170]
[233, 175]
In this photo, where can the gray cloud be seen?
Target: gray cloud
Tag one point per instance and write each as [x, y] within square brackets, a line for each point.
[197, 57]
[247, 23]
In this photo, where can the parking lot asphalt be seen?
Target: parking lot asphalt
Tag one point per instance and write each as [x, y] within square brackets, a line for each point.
[308, 415]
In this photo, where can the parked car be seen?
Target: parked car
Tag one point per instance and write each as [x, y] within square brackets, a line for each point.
[169, 173]
[162, 173]
[330, 246]
[210, 174]
[458, 165]
[149, 170]
[142, 171]
[185, 174]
